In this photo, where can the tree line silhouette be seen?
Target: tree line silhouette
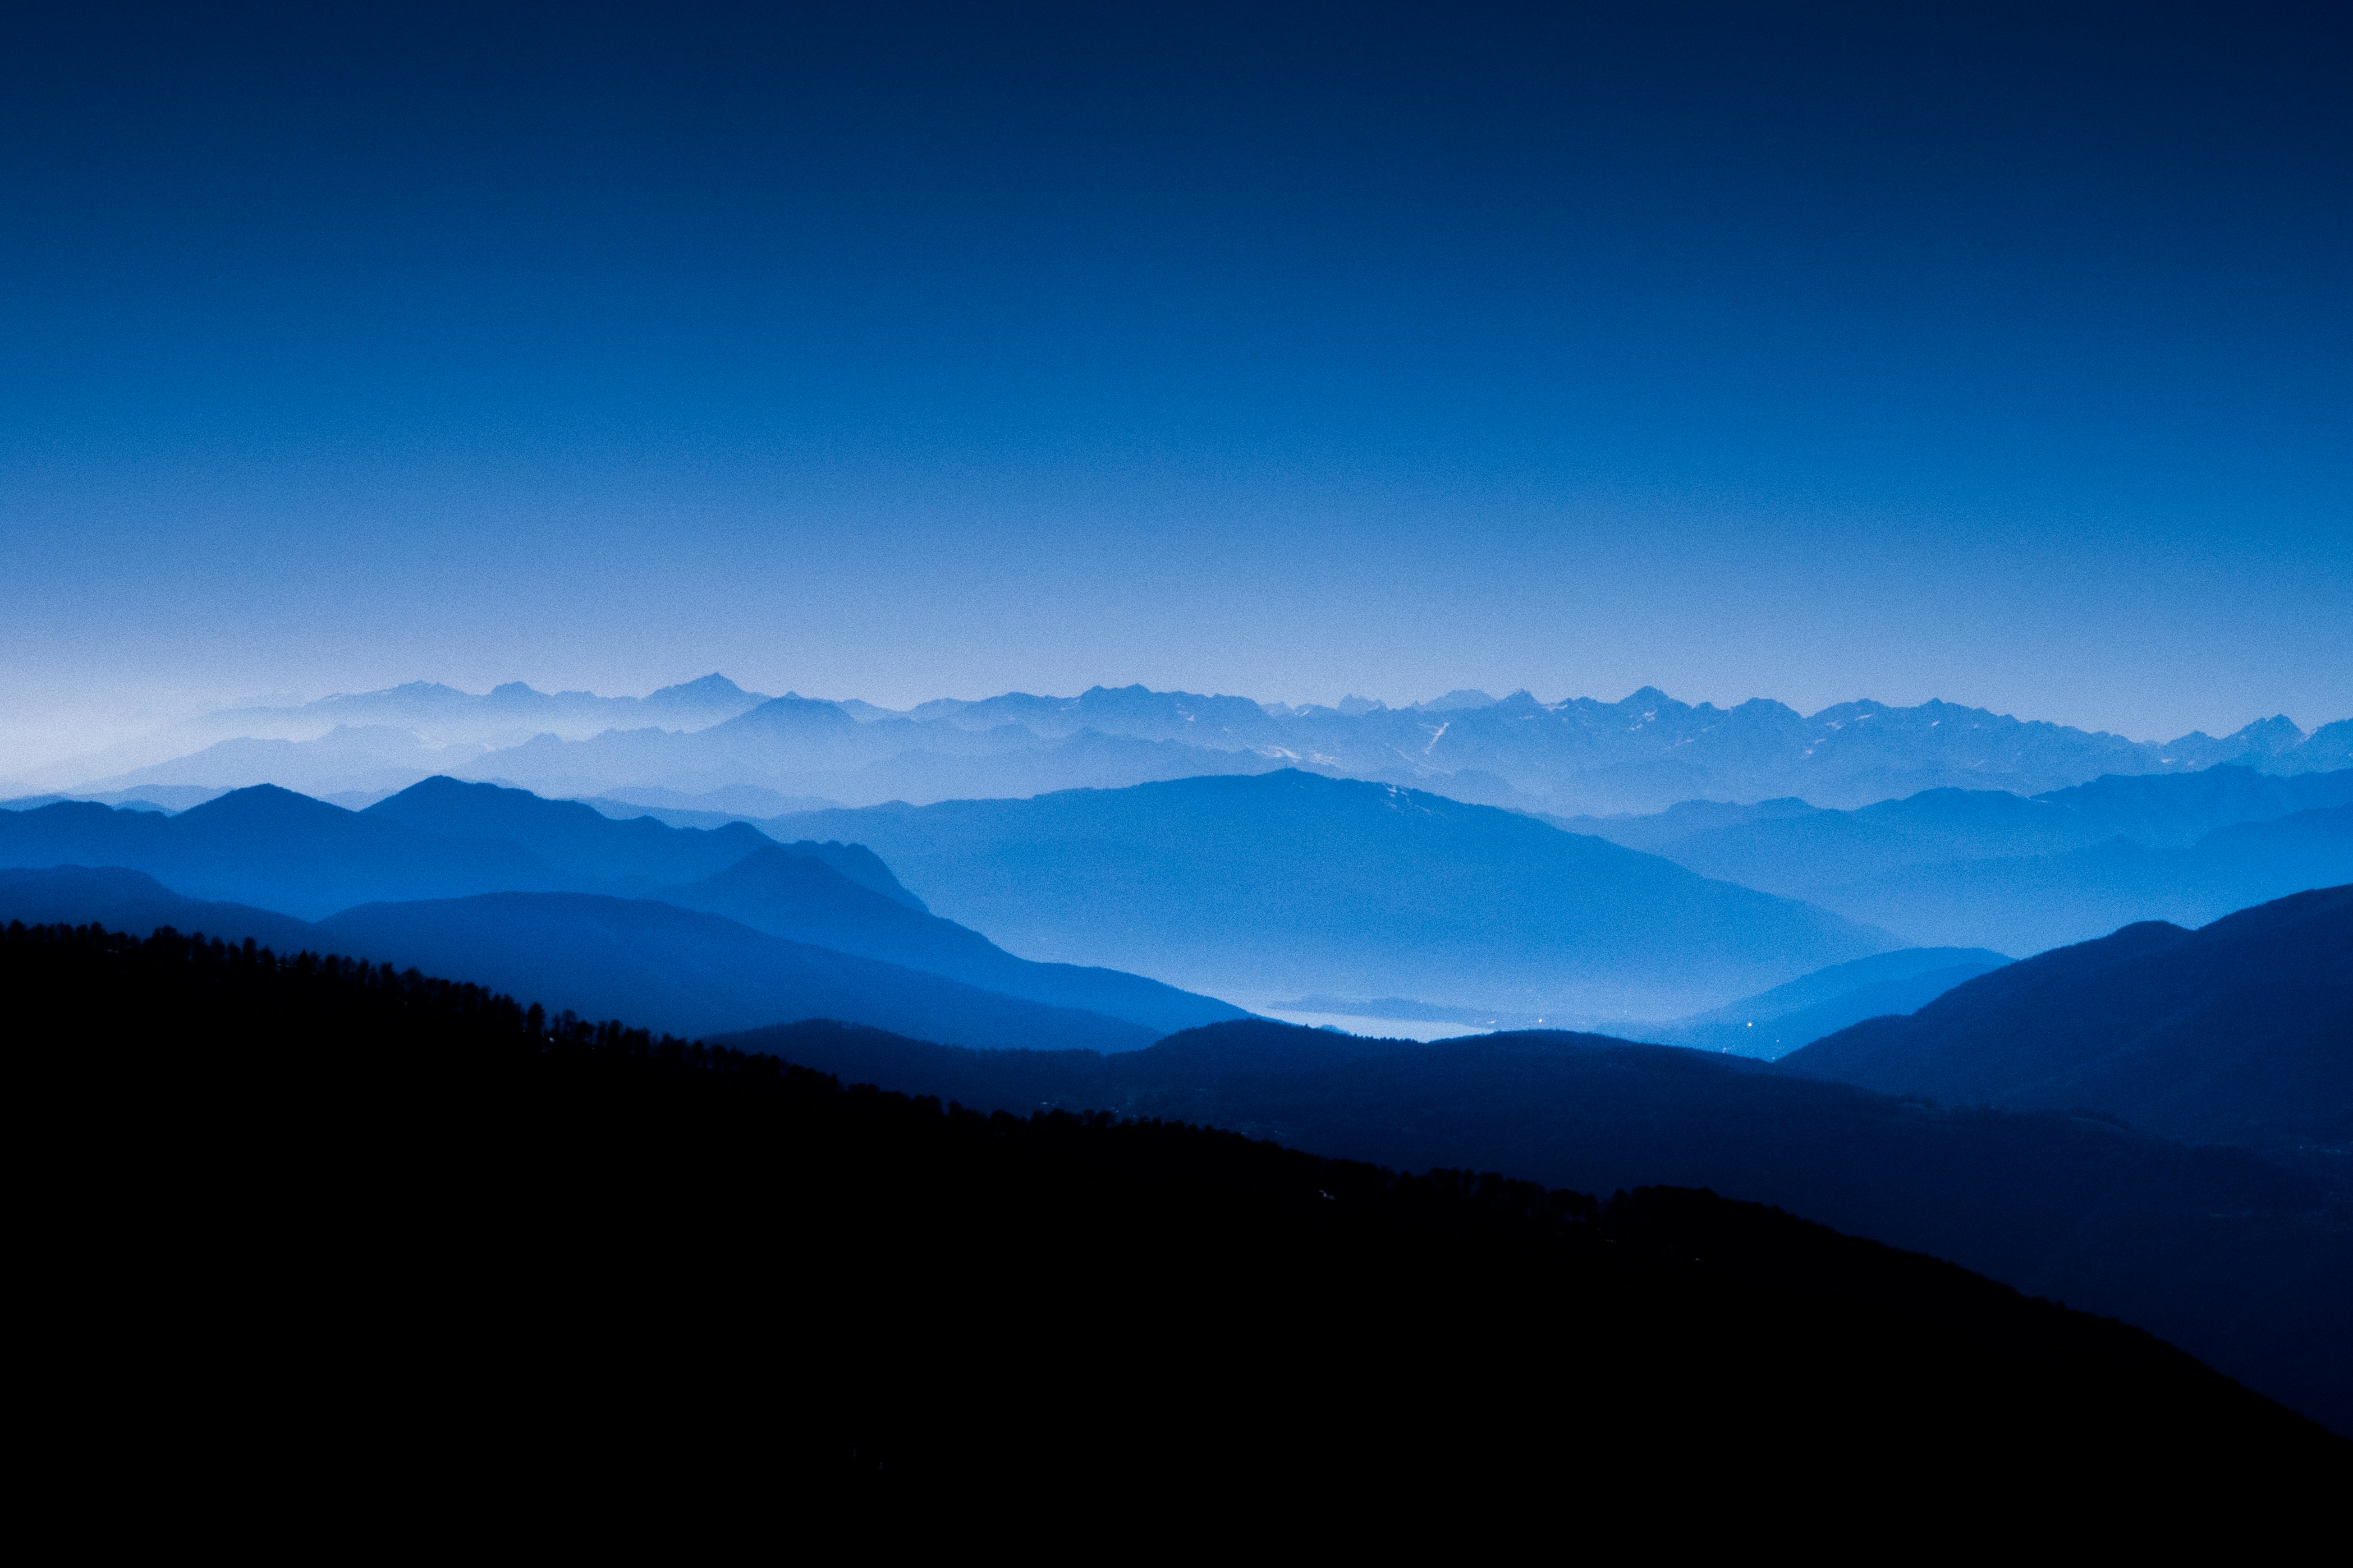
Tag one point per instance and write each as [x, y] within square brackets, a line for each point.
[358, 1204]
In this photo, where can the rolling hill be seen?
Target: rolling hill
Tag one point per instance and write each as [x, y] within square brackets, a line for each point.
[1290, 883]
[1983, 868]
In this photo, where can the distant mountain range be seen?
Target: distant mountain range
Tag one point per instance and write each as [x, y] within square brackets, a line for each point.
[1282, 884]
[386, 728]
[695, 742]
[2240, 1032]
[1981, 867]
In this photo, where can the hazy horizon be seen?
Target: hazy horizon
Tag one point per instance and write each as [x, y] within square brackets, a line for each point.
[1994, 356]
[28, 741]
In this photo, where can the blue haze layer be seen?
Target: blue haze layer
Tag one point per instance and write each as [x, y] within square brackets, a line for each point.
[1998, 355]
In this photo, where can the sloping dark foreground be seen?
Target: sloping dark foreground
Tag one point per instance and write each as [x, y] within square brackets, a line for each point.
[353, 1204]
[2246, 1265]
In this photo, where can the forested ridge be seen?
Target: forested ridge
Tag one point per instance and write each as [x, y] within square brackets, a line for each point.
[359, 1198]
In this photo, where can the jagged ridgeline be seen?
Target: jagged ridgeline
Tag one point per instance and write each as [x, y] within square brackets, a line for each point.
[350, 1198]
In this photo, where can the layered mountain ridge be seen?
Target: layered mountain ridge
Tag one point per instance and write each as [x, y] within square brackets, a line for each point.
[2020, 874]
[1279, 884]
[1641, 753]
[562, 880]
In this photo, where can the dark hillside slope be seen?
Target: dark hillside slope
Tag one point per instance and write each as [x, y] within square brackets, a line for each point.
[2240, 1032]
[1289, 883]
[791, 896]
[693, 974]
[2218, 1251]
[860, 1303]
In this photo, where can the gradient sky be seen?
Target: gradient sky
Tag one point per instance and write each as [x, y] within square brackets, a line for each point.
[898, 351]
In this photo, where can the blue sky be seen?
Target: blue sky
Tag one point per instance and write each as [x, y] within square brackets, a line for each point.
[1811, 352]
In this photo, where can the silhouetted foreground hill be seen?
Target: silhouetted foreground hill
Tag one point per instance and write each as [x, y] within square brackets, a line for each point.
[384, 1204]
[2240, 1032]
[2239, 1261]
[1289, 883]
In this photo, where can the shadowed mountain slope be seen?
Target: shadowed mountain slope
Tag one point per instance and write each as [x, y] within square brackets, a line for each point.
[2213, 1249]
[2240, 1032]
[1291, 883]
